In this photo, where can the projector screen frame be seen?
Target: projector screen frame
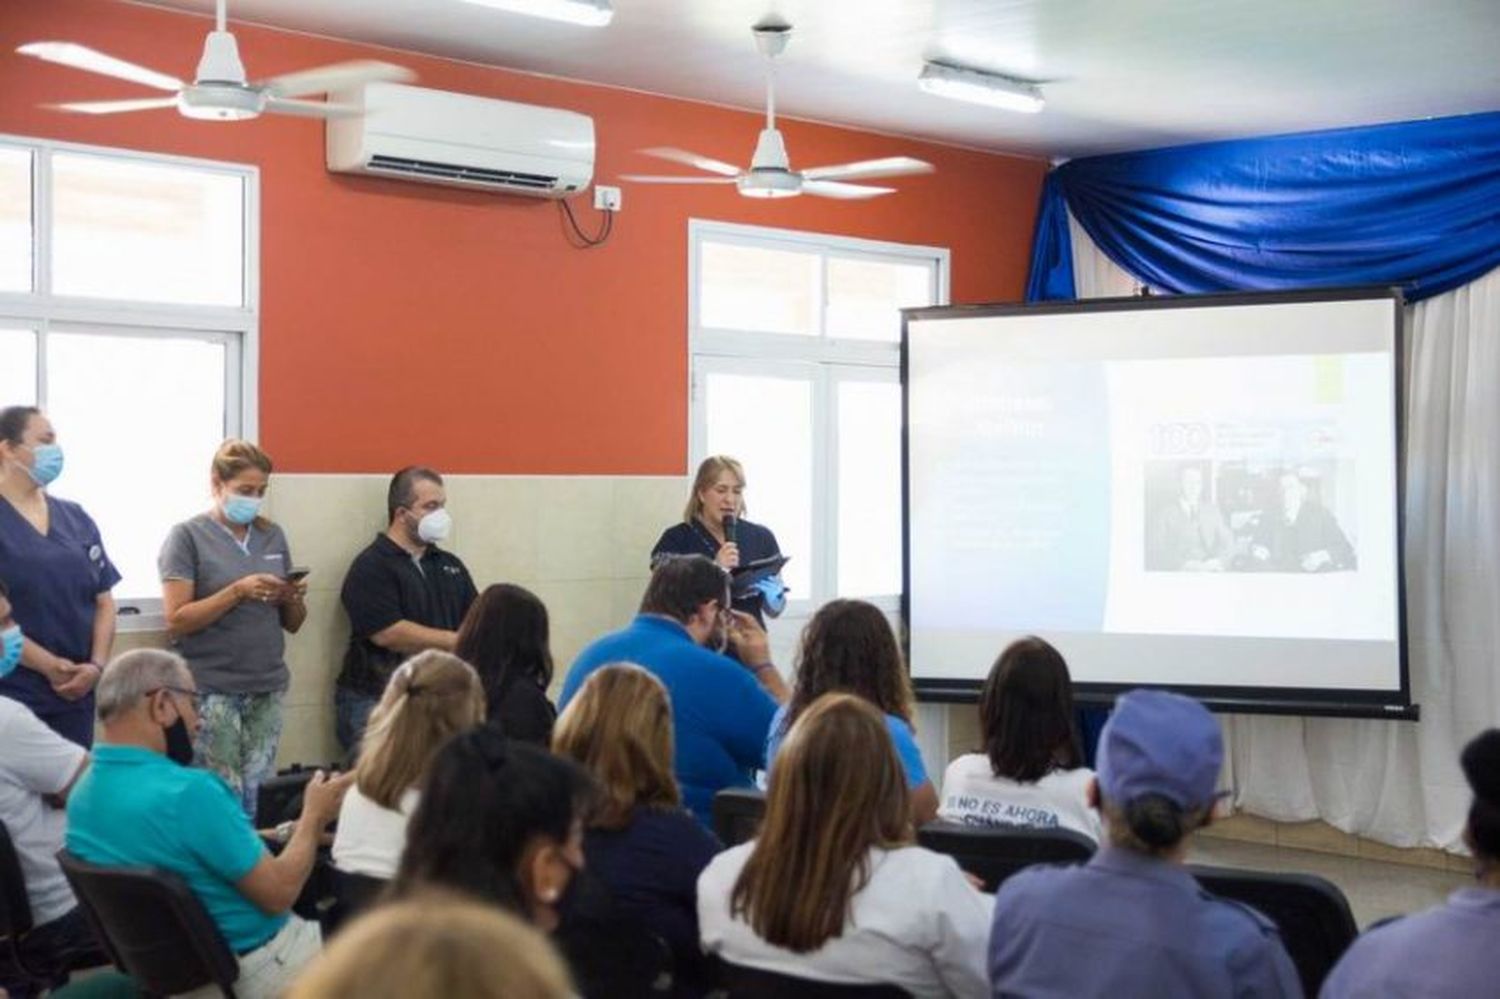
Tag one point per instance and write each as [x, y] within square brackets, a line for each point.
[1395, 704]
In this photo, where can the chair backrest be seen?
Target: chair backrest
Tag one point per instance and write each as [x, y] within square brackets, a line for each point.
[352, 894]
[15, 908]
[279, 798]
[737, 814]
[994, 853]
[1312, 914]
[155, 928]
[741, 982]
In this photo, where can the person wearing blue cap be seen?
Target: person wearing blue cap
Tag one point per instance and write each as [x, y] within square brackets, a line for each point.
[1132, 921]
[1448, 950]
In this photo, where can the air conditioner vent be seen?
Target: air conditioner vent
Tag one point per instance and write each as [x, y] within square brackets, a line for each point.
[452, 171]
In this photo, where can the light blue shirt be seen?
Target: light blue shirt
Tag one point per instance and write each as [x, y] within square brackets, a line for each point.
[1129, 925]
[1446, 951]
[136, 808]
[901, 735]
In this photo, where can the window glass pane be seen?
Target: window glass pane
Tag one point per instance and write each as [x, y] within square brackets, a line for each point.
[753, 288]
[139, 418]
[869, 498]
[126, 229]
[17, 367]
[15, 219]
[864, 296]
[766, 423]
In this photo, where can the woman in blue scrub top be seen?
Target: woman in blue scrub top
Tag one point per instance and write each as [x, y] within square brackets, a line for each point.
[53, 561]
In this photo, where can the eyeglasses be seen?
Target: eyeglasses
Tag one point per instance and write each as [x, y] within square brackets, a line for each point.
[192, 695]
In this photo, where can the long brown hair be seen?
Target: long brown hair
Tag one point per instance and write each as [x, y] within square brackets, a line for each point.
[620, 728]
[1026, 713]
[429, 698]
[837, 790]
[848, 646]
[709, 471]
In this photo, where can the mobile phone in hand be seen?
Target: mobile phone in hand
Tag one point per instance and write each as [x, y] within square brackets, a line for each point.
[297, 574]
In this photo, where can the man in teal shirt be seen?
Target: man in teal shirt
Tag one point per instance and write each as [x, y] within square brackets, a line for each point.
[140, 804]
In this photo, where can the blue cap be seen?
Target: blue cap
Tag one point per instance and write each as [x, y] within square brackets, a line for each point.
[1160, 743]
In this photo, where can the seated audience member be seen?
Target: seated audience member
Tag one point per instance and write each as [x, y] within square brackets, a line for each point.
[501, 821]
[403, 595]
[848, 647]
[1031, 773]
[719, 711]
[640, 842]
[431, 697]
[38, 768]
[1301, 535]
[1448, 950]
[833, 889]
[436, 945]
[1132, 921]
[140, 804]
[505, 638]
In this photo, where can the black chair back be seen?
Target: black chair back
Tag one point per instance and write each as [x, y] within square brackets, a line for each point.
[15, 907]
[352, 895]
[154, 927]
[741, 982]
[737, 814]
[1312, 914]
[994, 853]
[279, 798]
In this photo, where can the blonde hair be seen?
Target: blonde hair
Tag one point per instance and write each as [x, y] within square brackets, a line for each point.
[709, 471]
[619, 728]
[436, 944]
[431, 697]
[235, 456]
[837, 791]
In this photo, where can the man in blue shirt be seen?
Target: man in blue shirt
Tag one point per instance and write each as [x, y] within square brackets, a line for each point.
[720, 708]
[1133, 921]
[141, 805]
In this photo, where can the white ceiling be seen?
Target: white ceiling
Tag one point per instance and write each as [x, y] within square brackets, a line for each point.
[1118, 74]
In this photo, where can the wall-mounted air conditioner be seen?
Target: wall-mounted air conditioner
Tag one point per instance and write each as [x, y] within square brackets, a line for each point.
[414, 133]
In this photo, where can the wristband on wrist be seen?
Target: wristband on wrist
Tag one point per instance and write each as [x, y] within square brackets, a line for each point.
[757, 670]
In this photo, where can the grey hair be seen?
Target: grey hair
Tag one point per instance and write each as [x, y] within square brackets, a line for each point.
[134, 674]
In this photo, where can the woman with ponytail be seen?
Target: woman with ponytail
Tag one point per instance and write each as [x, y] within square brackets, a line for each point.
[431, 697]
[1448, 950]
[1136, 917]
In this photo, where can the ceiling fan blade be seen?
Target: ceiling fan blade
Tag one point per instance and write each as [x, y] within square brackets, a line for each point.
[115, 107]
[312, 109]
[847, 192]
[87, 59]
[891, 166]
[327, 79]
[694, 160]
[645, 179]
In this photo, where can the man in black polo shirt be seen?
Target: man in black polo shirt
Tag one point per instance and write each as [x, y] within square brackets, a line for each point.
[403, 594]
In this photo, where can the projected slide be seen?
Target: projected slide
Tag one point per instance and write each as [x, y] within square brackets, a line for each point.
[1199, 496]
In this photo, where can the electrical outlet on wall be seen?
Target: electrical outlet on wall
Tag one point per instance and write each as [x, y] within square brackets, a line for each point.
[606, 199]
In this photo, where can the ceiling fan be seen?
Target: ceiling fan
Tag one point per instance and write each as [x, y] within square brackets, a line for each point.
[770, 174]
[219, 91]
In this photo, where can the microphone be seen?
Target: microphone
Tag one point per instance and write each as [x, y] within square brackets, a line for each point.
[731, 529]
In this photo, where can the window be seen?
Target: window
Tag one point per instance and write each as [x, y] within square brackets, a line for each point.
[795, 342]
[128, 311]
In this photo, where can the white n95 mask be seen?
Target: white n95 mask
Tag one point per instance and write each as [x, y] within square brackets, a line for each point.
[435, 526]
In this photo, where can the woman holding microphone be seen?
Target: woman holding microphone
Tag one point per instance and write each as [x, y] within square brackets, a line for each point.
[229, 595]
[713, 524]
[53, 561]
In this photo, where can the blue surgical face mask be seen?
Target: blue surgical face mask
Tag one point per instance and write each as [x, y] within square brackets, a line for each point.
[47, 463]
[241, 509]
[10, 649]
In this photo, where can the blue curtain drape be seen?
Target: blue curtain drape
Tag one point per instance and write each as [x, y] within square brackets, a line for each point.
[1415, 204]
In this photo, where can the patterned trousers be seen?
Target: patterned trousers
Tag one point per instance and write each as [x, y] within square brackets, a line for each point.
[238, 741]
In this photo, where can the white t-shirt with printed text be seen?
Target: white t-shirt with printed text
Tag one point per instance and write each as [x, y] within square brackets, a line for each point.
[974, 796]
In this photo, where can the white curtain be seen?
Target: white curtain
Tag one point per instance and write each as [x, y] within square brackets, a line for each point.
[1399, 782]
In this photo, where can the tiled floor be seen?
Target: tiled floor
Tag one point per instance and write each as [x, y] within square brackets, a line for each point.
[1375, 890]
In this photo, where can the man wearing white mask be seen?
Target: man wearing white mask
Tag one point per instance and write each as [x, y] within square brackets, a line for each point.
[403, 595]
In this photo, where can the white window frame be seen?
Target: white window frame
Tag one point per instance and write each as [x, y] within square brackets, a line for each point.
[237, 328]
[827, 360]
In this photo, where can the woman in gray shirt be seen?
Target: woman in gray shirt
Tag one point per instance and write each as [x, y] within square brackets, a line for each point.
[228, 598]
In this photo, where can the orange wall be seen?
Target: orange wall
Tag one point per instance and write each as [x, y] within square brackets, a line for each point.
[402, 322]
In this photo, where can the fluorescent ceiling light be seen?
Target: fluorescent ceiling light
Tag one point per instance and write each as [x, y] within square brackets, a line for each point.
[980, 88]
[593, 13]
